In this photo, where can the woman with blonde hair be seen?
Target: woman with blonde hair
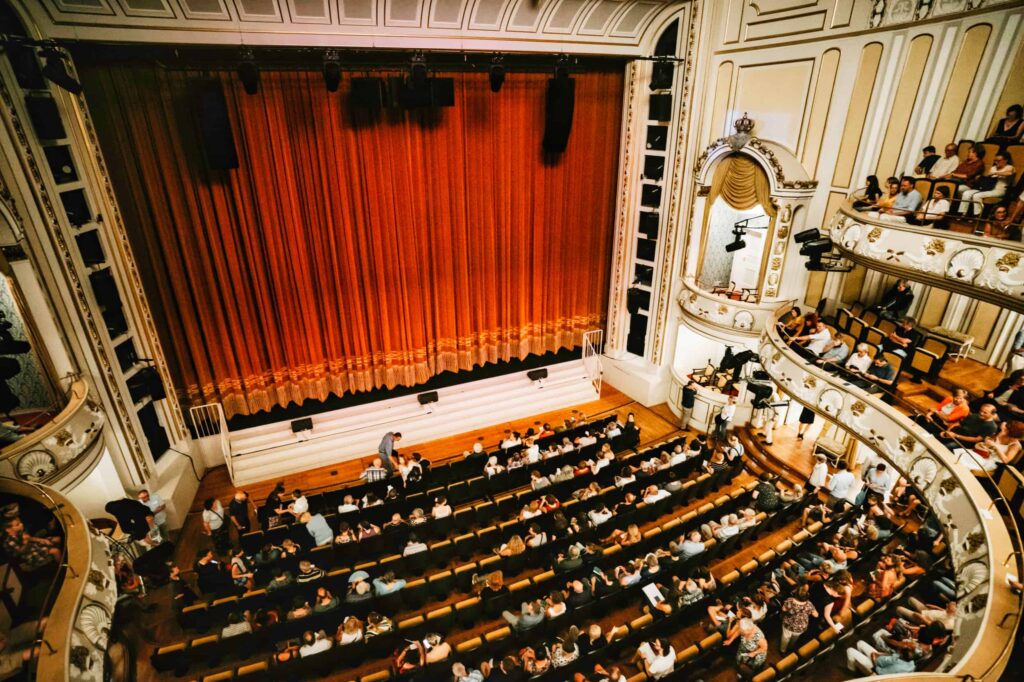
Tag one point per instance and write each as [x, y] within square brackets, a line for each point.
[350, 631]
[514, 546]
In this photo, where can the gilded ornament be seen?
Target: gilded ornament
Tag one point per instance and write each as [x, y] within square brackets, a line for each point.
[948, 485]
[935, 246]
[858, 408]
[810, 382]
[1008, 261]
[875, 234]
[907, 443]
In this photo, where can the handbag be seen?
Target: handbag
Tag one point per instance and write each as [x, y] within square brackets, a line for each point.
[986, 183]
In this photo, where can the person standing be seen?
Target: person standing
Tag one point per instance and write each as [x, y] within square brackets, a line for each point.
[238, 510]
[156, 505]
[724, 419]
[796, 612]
[686, 403]
[387, 448]
[213, 524]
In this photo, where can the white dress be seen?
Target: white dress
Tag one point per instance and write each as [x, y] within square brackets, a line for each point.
[818, 475]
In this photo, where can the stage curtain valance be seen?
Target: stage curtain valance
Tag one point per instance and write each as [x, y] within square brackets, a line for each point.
[346, 255]
[741, 182]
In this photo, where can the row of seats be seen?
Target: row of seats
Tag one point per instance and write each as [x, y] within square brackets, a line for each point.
[866, 326]
[498, 640]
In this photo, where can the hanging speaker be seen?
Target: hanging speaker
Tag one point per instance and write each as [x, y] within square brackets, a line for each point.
[367, 93]
[660, 108]
[45, 117]
[215, 135]
[561, 100]
[654, 167]
[442, 92]
[650, 195]
[146, 382]
[661, 76]
[649, 223]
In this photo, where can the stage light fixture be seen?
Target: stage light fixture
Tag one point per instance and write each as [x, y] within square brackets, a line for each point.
[807, 235]
[496, 73]
[332, 70]
[56, 71]
[735, 246]
[249, 73]
[815, 266]
[816, 247]
[418, 71]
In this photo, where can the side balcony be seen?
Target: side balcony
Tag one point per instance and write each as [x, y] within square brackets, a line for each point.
[983, 548]
[976, 266]
[723, 313]
[62, 451]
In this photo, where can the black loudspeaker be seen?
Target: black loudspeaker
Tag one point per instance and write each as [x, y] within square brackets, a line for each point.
[442, 92]
[649, 223]
[661, 76]
[42, 111]
[650, 195]
[302, 425]
[146, 382]
[215, 133]
[104, 288]
[657, 137]
[427, 398]
[561, 100]
[25, 66]
[156, 435]
[645, 249]
[61, 166]
[76, 207]
[661, 108]
[538, 374]
[654, 167]
[90, 248]
[414, 93]
[367, 93]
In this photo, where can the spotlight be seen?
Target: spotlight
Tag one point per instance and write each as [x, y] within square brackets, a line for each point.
[418, 71]
[332, 70]
[249, 73]
[807, 235]
[735, 246]
[816, 247]
[562, 68]
[56, 71]
[497, 73]
[815, 266]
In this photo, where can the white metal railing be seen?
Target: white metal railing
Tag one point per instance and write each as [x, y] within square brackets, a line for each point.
[593, 346]
[211, 430]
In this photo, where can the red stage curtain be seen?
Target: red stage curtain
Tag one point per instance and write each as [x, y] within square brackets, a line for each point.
[346, 257]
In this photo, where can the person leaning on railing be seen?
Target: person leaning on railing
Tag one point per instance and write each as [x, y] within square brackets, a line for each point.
[947, 414]
[999, 226]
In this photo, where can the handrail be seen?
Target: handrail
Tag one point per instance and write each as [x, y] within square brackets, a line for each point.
[995, 536]
[77, 397]
[971, 220]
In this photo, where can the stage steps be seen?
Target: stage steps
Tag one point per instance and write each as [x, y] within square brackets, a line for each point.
[272, 450]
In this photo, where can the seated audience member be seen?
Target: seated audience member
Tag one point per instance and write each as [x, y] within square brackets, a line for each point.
[903, 339]
[766, 494]
[314, 643]
[538, 480]
[569, 561]
[926, 614]
[944, 166]
[733, 448]
[281, 579]
[350, 631]
[657, 658]
[535, 537]
[1006, 445]
[325, 601]
[630, 536]
[993, 184]
[906, 203]
[866, 660]
[716, 463]
[308, 572]
[933, 212]
[300, 609]
[973, 429]
[387, 583]
[896, 301]
[375, 472]
[31, 551]
[793, 323]
[947, 414]
[722, 530]
[928, 159]
[441, 508]
[414, 546]
[376, 624]
[970, 169]
[513, 547]
[318, 528]
[860, 361]
[345, 534]
[999, 226]
[836, 352]
[655, 494]
[492, 468]
[1009, 129]
[816, 341]
[359, 591]
[885, 202]
[880, 376]
[365, 530]
[238, 624]
[872, 193]
[348, 505]
[531, 614]
[1009, 396]
[690, 546]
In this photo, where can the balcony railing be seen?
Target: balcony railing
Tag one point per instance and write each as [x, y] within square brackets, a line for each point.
[739, 317]
[981, 546]
[980, 267]
[60, 449]
[80, 603]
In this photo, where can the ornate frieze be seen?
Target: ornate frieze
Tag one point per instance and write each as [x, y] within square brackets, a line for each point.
[979, 267]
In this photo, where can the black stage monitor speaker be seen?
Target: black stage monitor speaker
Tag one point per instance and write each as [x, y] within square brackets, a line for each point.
[661, 76]
[661, 108]
[538, 374]
[45, 117]
[561, 101]
[215, 133]
[442, 92]
[427, 398]
[300, 425]
[367, 93]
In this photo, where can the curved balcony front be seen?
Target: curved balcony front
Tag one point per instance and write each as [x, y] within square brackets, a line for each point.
[980, 543]
[80, 602]
[979, 267]
[725, 314]
[63, 450]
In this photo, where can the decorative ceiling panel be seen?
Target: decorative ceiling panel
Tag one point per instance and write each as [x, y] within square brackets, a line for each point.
[610, 27]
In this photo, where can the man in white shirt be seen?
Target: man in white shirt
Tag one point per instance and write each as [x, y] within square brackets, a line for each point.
[733, 448]
[878, 481]
[157, 506]
[945, 166]
[586, 439]
[859, 361]
[654, 493]
[299, 505]
[678, 456]
[348, 505]
[510, 441]
[839, 485]
[692, 546]
[816, 342]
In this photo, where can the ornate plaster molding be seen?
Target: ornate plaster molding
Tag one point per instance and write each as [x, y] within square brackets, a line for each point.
[978, 267]
[53, 450]
[978, 540]
[735, 317]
